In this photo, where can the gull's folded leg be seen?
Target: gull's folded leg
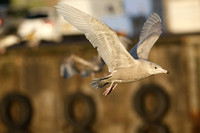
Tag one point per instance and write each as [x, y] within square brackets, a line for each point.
[109, 89]
[114, 87]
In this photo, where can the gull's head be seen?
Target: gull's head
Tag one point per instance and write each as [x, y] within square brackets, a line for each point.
[156, 69]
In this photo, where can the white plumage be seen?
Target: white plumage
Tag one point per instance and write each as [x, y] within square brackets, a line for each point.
[122, 66]
[98, 34]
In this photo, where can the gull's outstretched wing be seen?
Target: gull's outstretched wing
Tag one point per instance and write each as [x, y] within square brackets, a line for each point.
[100, 35]
[150, 33]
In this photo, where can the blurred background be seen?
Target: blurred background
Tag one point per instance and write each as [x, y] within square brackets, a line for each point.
[45, 84]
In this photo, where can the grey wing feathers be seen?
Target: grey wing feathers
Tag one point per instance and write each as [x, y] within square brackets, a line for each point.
[100, 35]
[150, 33]
[151, 26]
[70, 12]
[82, 21]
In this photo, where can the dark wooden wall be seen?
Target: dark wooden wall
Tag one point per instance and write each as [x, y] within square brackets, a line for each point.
[34, 73]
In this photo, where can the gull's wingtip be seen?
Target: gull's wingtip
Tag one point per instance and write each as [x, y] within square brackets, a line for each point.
[156, 16]
[154, 13]
[59, 5]
[56, 6]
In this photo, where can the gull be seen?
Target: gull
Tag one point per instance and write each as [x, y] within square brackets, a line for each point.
[124, 66]
[74, 64]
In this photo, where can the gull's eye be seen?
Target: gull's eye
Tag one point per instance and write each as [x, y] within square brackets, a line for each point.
[155, 67]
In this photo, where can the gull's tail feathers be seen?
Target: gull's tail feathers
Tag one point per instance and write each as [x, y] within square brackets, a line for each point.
[100, 82]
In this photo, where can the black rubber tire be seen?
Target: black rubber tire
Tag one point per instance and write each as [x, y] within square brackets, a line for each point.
[162, 100]
[89, 115]
[25, 110]
[153, 128]
[17, 131]
[83, 131]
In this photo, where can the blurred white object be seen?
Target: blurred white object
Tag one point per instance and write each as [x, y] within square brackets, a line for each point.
[183, 16]
[8, 41]
[40, 25]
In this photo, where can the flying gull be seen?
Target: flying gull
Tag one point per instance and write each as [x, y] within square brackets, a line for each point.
[124, 66]
[74, 64]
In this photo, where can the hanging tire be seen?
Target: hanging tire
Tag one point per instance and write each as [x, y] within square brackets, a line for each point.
[24, 107]
[89, 106]
[153, 128]
[82, 131]
[161, 98]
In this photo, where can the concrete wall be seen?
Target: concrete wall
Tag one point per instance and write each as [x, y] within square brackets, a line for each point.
[35, 74]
